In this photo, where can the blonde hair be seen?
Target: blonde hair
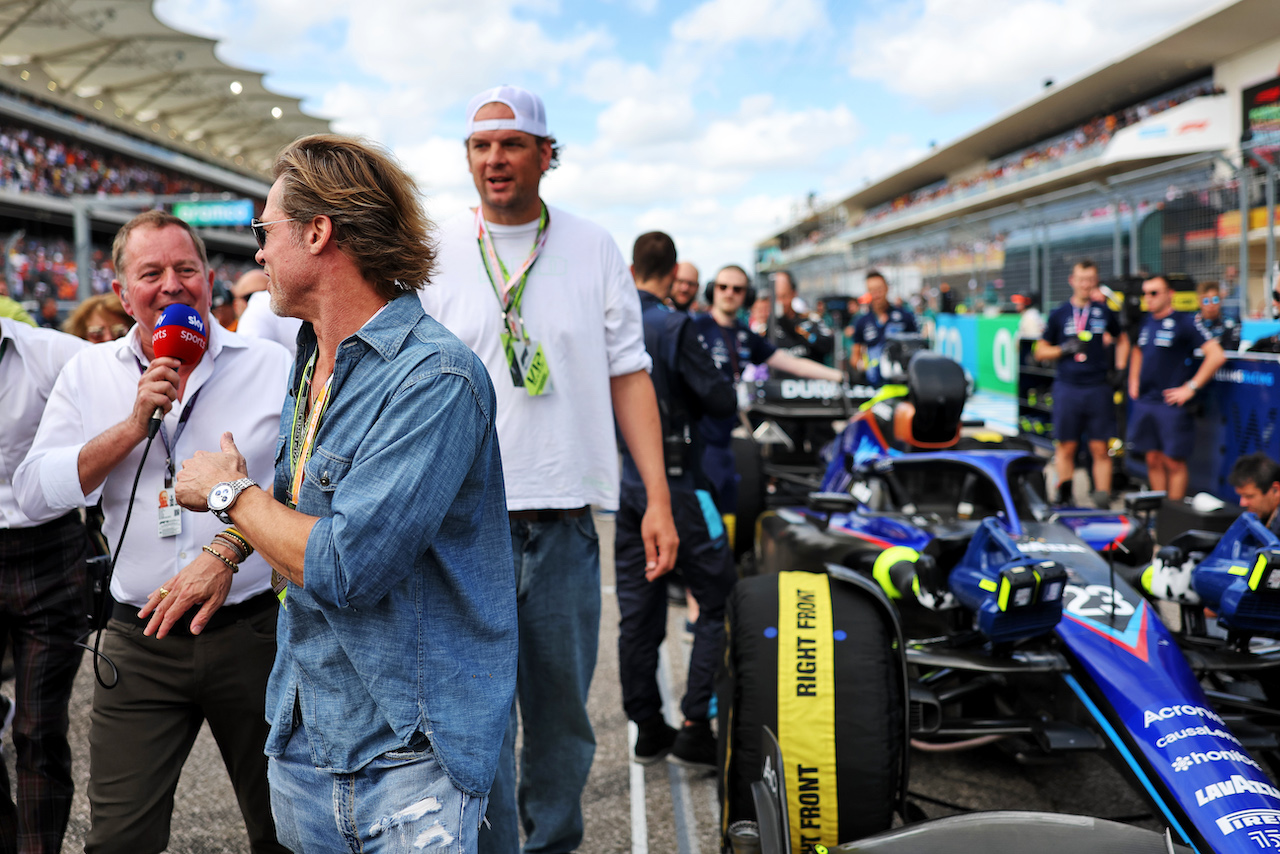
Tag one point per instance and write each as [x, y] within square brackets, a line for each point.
[77, 323]
[377, 214]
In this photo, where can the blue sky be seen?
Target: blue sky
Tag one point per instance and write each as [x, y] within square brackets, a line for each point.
[709, 120]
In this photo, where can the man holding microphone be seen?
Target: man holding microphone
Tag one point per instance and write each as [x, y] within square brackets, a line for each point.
[213, 664]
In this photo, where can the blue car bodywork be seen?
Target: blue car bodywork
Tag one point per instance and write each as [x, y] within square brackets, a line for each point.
[980, 521]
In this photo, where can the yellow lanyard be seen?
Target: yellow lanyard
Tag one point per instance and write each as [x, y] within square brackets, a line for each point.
[300, 452]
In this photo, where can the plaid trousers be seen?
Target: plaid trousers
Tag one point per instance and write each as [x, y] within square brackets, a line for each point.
[42, 612]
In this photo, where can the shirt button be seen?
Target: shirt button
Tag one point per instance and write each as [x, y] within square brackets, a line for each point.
[324, 479]
[183, 555]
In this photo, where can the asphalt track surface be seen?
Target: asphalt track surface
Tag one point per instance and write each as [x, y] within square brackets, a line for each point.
[678, 809]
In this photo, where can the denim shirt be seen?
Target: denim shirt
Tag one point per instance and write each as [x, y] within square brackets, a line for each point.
[406, 620]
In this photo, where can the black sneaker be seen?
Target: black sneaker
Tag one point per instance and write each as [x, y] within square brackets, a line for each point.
[653, 741]
[695, 747]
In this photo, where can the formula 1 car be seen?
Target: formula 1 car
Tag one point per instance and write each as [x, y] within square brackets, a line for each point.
[1021, 621]
[783, 446]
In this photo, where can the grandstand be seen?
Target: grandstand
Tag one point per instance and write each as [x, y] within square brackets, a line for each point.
[103, 109]
[1138, 163]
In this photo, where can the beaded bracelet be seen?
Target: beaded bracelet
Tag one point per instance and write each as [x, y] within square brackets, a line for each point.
[234, 567]
[239, 537]
[233, 545]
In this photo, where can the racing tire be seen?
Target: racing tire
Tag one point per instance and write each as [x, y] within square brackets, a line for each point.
[869, 721]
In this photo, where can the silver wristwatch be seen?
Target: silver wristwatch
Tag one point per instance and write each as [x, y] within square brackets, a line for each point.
[222, 496]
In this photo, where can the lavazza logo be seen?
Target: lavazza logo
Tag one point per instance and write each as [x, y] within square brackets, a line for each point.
[1182, 763]
[1237, 785]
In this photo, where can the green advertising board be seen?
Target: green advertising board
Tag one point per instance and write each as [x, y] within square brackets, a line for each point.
[998, 354]
[216, 212]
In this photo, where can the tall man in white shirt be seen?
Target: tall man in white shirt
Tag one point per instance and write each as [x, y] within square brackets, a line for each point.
[42, 584]
[211, 666]
[546, 300]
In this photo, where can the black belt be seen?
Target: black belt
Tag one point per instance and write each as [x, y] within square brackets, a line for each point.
[223, 617]
[42, 530]
[547, 515]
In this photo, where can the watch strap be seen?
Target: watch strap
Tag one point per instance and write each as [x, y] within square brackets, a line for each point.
[237, 487]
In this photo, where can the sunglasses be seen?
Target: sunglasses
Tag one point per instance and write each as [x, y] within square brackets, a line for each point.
[737, 289]
[260, 231]
[116, 330]
[1210, 300]
[1147, 293]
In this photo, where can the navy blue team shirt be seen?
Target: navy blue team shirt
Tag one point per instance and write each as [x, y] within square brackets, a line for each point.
[1168, 347]
[870, 332]
[1094, 321]
[731, 349]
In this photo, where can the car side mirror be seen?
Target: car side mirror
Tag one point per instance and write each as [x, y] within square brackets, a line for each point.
[1148, 501]
[832, 502]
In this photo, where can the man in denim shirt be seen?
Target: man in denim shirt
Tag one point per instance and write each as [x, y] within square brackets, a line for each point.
[397, 643]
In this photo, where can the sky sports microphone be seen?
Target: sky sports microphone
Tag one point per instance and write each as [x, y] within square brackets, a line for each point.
[180, 334]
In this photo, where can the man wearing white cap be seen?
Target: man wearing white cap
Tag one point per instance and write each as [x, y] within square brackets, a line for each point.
[547, 302]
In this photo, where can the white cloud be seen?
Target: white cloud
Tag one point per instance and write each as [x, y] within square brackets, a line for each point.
[638, 122]
[729, 21]
[869, 163]
[949, 52]
[763, 137]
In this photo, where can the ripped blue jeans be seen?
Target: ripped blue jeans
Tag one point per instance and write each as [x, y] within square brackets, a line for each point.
[402, 801]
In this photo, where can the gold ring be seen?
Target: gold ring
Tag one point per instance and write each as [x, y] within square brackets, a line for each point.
[164, 591]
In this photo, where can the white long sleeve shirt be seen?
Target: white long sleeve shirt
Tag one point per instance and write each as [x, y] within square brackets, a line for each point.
[30, 362]
[239, 385]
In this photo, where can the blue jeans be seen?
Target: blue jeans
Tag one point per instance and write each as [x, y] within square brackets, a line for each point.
[401, 801]
[557, 566]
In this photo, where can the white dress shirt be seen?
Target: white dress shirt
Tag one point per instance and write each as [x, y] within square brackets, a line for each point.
[31, 361]
[259, 321]
[239, 385]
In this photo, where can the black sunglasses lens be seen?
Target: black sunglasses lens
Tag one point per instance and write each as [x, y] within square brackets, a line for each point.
[259, 234]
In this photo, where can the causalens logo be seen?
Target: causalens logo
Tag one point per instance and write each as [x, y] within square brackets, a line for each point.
[1193, 732]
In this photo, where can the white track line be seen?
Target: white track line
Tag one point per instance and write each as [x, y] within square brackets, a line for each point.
[681, 796]
[639, 821]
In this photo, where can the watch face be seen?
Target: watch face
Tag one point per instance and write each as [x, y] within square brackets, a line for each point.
[220, 497]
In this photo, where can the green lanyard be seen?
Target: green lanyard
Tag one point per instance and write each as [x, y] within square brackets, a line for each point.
[511, 290]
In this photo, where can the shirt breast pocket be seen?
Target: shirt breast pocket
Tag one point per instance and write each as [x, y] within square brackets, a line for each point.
[325, 472]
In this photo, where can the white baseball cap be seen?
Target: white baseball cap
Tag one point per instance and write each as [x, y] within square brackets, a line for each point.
[530, 115]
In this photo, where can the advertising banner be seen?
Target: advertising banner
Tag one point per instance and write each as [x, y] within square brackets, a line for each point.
[956, 336]
[986, 347]
[998, 354]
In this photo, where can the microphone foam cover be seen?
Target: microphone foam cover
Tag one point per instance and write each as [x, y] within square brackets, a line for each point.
[181, 334]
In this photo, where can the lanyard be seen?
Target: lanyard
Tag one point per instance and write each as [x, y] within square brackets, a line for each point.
[177, 434]
[508, 301]
[1081, 318]
[305, 426]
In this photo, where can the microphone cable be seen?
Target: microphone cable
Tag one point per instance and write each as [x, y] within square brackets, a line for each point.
[99, 616]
